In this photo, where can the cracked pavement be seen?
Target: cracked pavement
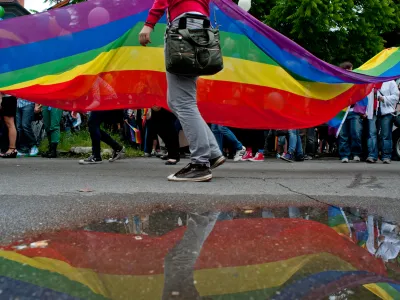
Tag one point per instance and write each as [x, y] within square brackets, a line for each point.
[38, 194]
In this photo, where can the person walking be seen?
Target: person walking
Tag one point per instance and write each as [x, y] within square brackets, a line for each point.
[97, 135]
[382, 103]
[182, 90]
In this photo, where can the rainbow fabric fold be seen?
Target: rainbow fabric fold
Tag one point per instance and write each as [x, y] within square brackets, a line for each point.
[87, 57]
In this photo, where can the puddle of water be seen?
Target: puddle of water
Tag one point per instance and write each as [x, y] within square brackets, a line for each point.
[247, 253]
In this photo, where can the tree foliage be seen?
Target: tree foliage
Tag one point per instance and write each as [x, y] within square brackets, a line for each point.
[336, 30]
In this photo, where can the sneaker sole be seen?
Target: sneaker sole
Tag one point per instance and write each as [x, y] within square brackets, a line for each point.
[218, 163]
[253, 160]
[90, 163]
[287, 160]
[200, 179]
[119, 156]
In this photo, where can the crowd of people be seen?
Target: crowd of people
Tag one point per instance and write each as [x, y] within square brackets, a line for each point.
[161, 135]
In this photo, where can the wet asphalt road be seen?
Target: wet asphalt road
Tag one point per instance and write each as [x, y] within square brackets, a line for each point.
[37, 195]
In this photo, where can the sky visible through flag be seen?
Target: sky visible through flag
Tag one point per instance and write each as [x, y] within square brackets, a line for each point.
[36, 5]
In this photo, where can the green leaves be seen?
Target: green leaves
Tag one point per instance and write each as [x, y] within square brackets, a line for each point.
[334, 30]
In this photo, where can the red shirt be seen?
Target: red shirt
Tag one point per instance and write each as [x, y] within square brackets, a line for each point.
[176, 8]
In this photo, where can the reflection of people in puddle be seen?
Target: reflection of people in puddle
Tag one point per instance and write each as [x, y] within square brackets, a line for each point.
[179, 262]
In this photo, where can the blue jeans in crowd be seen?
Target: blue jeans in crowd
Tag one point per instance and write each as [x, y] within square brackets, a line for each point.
[350, 137]
[220, 132]
[295, 146]
[24, 119]
[384, 125]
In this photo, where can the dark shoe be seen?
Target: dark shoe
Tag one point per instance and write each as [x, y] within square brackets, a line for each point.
[192, 173]
[12, 154]
[91, 160]
[117, 154]
[164, 157]
[287, 157]
[217, 162]
[172, 162]
[53, 150]
[300, 158]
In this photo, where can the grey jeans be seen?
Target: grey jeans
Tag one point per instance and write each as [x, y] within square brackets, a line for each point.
[183, 103]
[180, 261]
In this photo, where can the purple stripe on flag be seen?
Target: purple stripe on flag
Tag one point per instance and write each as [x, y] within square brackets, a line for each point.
[63, 21]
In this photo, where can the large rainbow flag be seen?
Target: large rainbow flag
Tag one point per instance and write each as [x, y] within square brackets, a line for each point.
[87, 57]
[241, 259]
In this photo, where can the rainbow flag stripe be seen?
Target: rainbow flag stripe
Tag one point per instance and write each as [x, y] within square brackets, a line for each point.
[94, 265]
[87, 57]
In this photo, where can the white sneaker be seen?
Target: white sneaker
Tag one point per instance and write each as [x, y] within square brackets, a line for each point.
[356, 158]
[345, 160]
[239, 154]
[34, 151]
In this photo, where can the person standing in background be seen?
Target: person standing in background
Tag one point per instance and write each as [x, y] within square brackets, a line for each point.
[8, 106]
[350, 135]
[51, 120]
[380, 121]
[27, 141]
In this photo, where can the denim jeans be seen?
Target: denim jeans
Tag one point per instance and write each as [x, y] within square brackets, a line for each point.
[220, 132]
[295, 145]
[98, 135]
[24, 119]
[350, 137]
[382, 125]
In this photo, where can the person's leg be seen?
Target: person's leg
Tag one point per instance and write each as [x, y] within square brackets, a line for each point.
[12, 134]
[54, 129]
[292, 137]
[299, 147]
[372, 140]
[292, 141]
[386, 133]
[182, 101]
[228, 134]
[55, 119]
[95, 119]
[180, 261]
[344, 148]
[218, 135]
[164, 123]
[310, 142]
[27, 117]
[106, 138]
[267, 135]
[356, 135]
[20, 132]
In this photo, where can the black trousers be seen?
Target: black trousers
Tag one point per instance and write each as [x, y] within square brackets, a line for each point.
[164, 125]
[98, 135]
